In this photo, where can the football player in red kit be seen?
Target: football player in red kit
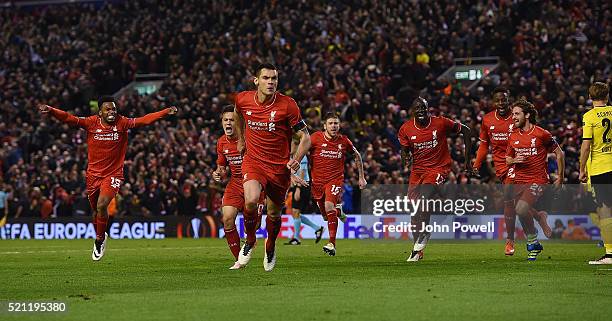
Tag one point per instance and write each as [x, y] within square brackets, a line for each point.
[267, 120]
[233, 197]
[424, 138]
[107, 139]
[327, 156]
[494, 132]
[528, 148]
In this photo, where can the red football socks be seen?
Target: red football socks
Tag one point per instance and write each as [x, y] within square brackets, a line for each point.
[233, 240]
[509, 219]
[273, 225]
[250, 225]
[332, 225]
[100, 225]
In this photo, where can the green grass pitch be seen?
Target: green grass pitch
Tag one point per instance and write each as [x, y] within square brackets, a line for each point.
[368, 280]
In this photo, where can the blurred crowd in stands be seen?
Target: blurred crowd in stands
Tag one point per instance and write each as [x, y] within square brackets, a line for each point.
[365, 60]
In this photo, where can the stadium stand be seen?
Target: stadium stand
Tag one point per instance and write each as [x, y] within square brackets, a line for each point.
[364, 61]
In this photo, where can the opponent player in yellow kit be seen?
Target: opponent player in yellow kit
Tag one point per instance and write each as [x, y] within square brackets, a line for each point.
[596, 150]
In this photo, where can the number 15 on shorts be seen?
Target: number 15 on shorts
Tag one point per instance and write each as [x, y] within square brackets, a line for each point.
[115, 182]
[335, 189]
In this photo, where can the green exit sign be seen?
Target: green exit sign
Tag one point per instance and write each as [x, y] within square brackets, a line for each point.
[146, 89]
[471, 74]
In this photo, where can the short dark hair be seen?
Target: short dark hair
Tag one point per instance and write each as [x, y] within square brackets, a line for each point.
[599, 91]
[227, 109]
[105, 99]
[528, 108]
[329, 115]
[501, 89]
[264, 65]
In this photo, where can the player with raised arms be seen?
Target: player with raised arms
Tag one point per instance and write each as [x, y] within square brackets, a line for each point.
[107, 140]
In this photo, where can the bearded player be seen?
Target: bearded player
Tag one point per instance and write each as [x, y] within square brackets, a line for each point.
[267, 120]
[233, 198]
[494, 132]
[327, 157]
[107, 139]
[423, 140]
[528, 148]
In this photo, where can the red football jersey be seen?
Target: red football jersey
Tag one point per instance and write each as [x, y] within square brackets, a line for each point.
[327, 157]
[268, 128]
[495, 130]
[106, 145]
[228, 155]
[428, 145]
[534, 145]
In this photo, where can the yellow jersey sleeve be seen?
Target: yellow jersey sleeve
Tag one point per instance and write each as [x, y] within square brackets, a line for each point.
[587, 125]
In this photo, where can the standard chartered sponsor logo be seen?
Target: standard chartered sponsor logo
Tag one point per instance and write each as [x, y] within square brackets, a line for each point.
[109, 136]
[330, 154]
[261, 125]
[234, 160]
[425, 145]
[529, 151]
[500, 136]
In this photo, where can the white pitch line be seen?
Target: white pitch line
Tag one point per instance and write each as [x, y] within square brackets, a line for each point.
[118, 250]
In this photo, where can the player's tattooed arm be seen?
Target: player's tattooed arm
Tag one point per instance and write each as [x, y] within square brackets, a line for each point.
[467, 138]
[298, 181]
[239, 130]
[406, 158]
[362, 180]
[515, 160]
[303, 147]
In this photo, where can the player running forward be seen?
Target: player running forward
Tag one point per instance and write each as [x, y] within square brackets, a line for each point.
[327, 156]
[494, 132]
[596, 152]
[266, 121]
[528, 147]
[233, 198]
[423, 138]
[107, 139]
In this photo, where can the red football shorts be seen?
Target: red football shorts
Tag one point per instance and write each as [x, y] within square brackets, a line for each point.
[420, 180]
[234, 196]
[107, 186]
[529, 193]
[328, 192]
[275, 181]
[507, 176]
